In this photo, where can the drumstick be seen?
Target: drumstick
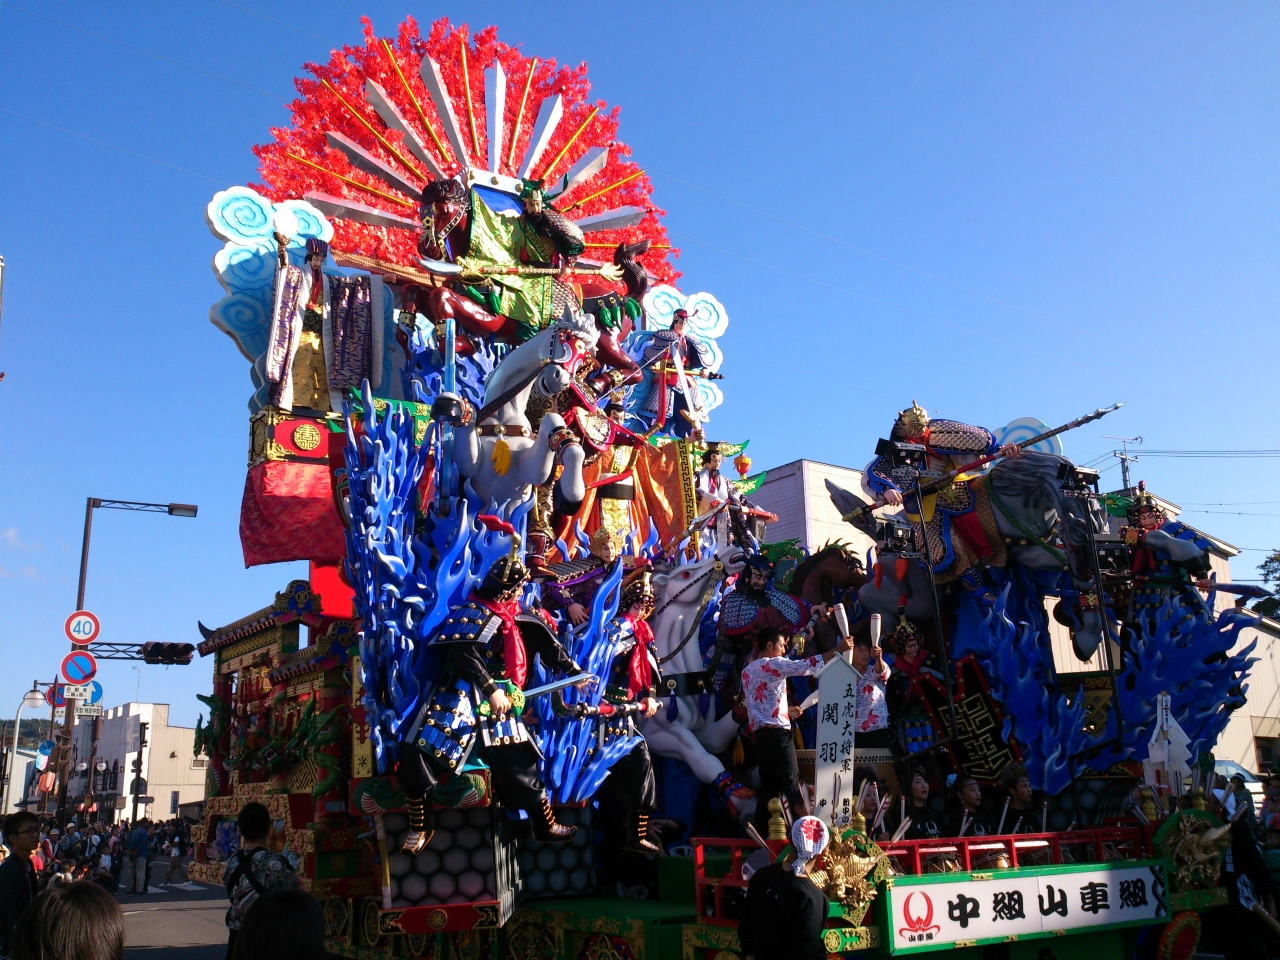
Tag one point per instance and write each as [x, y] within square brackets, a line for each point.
[903, 827]
[1016, 825]
[964, 824]
[862, 792]
[1044, 817]
[1000, 826]
[902, 807]
[875, 795]
[755, 835]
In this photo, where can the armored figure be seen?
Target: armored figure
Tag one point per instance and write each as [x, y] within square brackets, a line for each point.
[949, 519]
[1169, 559]
[571, 586]
[477, 703]
[714, 489]
[664, 402]
[751, 607]
[630, 690]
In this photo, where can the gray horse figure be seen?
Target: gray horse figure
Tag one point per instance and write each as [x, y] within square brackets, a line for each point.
[1043, 528]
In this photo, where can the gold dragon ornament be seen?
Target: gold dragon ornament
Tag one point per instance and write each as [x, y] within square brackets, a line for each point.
[853, 868]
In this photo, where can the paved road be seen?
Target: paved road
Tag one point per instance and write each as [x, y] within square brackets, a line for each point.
[176, 924]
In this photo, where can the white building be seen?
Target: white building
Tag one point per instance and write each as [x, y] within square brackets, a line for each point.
[797, 493]
[173, 775]
[25, 766]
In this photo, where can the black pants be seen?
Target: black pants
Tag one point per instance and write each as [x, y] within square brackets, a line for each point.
[779, 773]
[514, 767]
[630, 784]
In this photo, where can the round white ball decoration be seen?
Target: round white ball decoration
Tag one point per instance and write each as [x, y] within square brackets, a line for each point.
[413, 887]
[455, 861]
[442, 886]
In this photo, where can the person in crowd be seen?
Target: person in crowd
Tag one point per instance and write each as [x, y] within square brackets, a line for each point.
[73, 921]
[253, 870]
[1271, 856]
[769, 716]
[282, 925]
[49, 844]
[18, 881]
[966, 816]
[914, 806]
[1020, 816]
[177, 855]
[138, 852]
[871, 720]
[64, 874]
[784, 912]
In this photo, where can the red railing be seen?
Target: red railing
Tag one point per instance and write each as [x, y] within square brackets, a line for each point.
[943, 855]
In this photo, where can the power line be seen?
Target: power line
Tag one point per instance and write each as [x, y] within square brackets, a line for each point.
[878, 256]
[1233, 513]
[1211, 453]
[883, 303]
[113, 146]
[145, 53]
[278, 22]
[1232, 503]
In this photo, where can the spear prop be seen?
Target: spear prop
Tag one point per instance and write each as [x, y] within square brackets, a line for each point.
[936, 484]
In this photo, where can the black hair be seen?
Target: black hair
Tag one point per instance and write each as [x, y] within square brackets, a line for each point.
[769, 635]
[914, 772]
[282, 925]
[13, 823]
[860, 639]
[254, 821]
[70, 921]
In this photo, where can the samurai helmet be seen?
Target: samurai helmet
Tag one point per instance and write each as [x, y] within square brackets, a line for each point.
[317, 247]
[904, 634]
[638, 589]
[911, 422]
[759, 563]
[505, 576]
[1143, 502]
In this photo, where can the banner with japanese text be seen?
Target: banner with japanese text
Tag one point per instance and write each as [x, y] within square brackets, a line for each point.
[930, 913]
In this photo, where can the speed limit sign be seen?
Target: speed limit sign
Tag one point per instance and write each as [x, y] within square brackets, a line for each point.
[82, 627]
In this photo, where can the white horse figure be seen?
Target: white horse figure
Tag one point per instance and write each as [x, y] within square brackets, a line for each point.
[545, 363]
[690, 735]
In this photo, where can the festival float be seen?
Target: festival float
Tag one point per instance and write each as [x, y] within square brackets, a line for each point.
[501, 716]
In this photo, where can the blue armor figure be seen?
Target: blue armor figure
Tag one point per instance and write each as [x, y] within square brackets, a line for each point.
[1169, 560]
[477, 705]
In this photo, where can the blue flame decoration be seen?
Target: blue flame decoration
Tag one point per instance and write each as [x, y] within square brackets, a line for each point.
[423, 374]
[1183, 653]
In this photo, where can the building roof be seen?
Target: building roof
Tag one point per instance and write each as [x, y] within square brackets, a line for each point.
[295, 602]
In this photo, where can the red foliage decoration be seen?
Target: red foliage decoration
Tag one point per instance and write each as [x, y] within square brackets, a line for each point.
[333, 99]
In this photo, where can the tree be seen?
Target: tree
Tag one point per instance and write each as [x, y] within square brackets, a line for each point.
[1270, 570]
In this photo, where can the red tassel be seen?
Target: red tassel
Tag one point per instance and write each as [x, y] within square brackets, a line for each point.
[900, 570]
[879, 572]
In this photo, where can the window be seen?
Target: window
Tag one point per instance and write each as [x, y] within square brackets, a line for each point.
[199, 763]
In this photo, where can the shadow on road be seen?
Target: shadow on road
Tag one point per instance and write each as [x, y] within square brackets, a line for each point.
[176, 924]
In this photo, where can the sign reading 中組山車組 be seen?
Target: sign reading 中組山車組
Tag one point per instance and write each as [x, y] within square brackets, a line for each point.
[928, 913]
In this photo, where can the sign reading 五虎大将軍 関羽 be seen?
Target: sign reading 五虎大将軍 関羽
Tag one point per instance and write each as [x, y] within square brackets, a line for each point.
[833, 756]
[928, 913]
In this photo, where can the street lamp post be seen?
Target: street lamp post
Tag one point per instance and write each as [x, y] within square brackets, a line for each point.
[31, 699]
[91, 504]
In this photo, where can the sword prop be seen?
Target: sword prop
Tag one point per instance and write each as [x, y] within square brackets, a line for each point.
[519, 698]
[941, 483]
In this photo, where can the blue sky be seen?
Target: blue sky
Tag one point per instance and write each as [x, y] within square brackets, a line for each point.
[999, 210]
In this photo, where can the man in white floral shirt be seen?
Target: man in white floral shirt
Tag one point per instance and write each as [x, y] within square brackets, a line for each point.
[769, 716]
[871, 721]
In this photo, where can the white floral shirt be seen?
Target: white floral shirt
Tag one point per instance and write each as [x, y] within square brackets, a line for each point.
[872, 710]
[764, 684]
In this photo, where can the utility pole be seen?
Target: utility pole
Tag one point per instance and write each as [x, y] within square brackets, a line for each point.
[1125, 457]
[135, 787]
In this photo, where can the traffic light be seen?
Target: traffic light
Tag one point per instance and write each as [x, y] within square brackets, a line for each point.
[168, 653]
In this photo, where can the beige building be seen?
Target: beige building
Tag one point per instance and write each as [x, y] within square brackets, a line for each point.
[797, 493]
[173, 775]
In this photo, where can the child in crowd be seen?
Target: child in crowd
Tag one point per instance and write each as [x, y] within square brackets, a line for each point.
[966, 818]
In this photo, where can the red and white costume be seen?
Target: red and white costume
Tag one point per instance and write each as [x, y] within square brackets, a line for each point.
[764, 685]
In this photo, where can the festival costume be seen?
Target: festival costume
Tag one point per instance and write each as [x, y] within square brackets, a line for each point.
[764, 687]
[323, 337]
[713, 489]
[961, 509]
[631, 678]
[488, 643]
[744, 612]
[1157, 576]
[665, 403]
[924, 824]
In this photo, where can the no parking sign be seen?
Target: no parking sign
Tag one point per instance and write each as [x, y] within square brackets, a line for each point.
[79, 667]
